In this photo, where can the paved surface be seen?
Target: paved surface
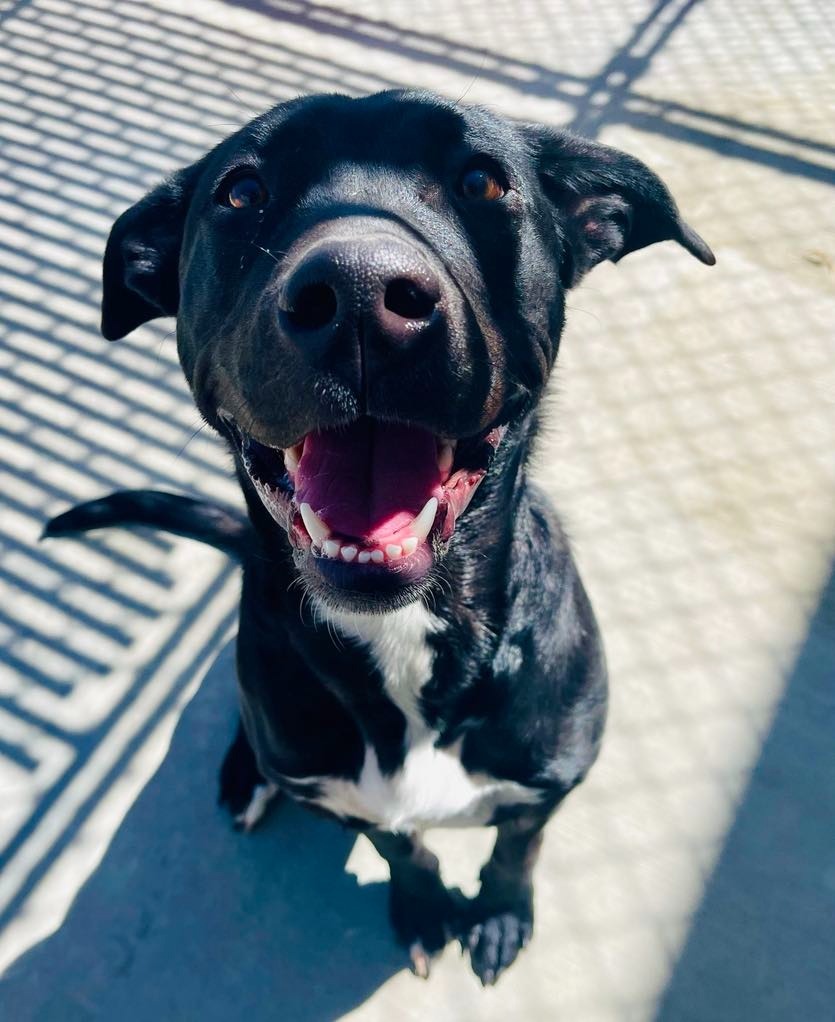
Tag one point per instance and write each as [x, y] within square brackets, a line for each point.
[692, 877]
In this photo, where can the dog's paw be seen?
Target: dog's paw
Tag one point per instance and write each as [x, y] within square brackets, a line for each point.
[243, 790]
[425, 918]
[496, 936]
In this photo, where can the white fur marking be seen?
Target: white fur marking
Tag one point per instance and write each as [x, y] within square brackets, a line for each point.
[262, 795]
[431, 788]
[397, 643]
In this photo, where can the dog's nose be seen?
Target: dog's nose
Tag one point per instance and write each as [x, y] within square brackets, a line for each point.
[382, 286]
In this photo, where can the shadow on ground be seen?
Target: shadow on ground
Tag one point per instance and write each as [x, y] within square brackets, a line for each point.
[187, 919]
[610, 96]
[762, 945]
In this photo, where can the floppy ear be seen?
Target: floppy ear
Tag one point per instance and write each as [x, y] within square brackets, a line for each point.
[609, 203]
[141, 261]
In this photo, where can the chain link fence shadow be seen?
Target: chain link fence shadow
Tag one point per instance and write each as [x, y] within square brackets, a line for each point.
[690, 451]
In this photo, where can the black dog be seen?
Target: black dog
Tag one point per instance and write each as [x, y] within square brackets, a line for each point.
[369, 297]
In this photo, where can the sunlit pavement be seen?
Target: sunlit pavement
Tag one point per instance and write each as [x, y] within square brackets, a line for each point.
[692, 877]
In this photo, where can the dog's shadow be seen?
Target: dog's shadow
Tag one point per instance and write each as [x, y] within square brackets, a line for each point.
[187, 919]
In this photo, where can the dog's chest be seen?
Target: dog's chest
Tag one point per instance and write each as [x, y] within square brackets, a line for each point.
[431, 787]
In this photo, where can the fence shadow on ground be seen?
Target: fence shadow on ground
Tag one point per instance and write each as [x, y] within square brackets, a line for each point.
[186, 918]
[763, 939]
[268, 926]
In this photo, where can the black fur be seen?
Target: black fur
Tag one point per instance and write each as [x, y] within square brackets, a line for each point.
[224, 528]
[518, 675]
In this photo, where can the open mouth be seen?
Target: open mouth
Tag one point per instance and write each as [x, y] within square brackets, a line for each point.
[373, 499]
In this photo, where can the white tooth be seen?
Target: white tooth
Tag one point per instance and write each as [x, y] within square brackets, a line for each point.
[394, 551]
[364, 557]
[409, 545]
[316, 528]
[291, 459]
[348, 553]
[425, 520]
[446, 456]
[377, 556]
[330, 548]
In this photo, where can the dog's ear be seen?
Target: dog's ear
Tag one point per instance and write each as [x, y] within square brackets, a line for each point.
[609, 203]
[140, 279]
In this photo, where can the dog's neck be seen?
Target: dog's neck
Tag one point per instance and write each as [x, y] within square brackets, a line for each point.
[426, 652]
[399, 643]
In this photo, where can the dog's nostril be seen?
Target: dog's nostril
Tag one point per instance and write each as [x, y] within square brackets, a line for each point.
[408, 300]
[313, 307]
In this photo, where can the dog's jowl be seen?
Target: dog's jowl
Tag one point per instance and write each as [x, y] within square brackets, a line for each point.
[369, 297]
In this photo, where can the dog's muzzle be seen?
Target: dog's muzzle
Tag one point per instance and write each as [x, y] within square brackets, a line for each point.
[373, 500]
[378, 500]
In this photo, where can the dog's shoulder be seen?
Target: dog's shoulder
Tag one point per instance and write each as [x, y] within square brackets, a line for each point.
[540, 707]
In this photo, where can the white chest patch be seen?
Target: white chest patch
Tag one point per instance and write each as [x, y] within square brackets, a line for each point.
[431, 788]
[398, 643]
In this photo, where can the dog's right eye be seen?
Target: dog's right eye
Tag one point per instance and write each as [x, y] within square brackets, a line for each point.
[483, 182]
[244, 192]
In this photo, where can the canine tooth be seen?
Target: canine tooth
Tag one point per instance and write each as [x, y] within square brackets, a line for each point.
[291, 458]
[377, 556]
[394, 551]
[364, 557]
[330, 548]
[348, 553]
[316, 528]
[409, 545]
[446, 455]
[424, 521]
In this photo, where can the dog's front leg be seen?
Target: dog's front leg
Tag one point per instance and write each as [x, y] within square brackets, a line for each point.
[501, 917]
[422, 911]
[243, 789]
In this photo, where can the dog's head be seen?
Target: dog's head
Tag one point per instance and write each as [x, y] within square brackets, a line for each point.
[369, 293]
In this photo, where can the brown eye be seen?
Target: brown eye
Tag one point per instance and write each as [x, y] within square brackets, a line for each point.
[482, 184]
[246, 191]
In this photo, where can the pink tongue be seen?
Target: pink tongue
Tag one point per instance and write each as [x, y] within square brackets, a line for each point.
[368, 479]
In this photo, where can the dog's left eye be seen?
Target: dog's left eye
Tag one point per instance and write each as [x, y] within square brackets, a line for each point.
[244, 192]
[483, 183]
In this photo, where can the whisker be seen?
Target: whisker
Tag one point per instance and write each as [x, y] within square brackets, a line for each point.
[199, 430]
[473, 80]
[238, 99]
[161, 344]
[576, 308]
[267, 251]
[336, 638]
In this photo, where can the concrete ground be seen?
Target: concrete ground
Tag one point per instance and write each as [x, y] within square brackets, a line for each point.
[692, 454]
